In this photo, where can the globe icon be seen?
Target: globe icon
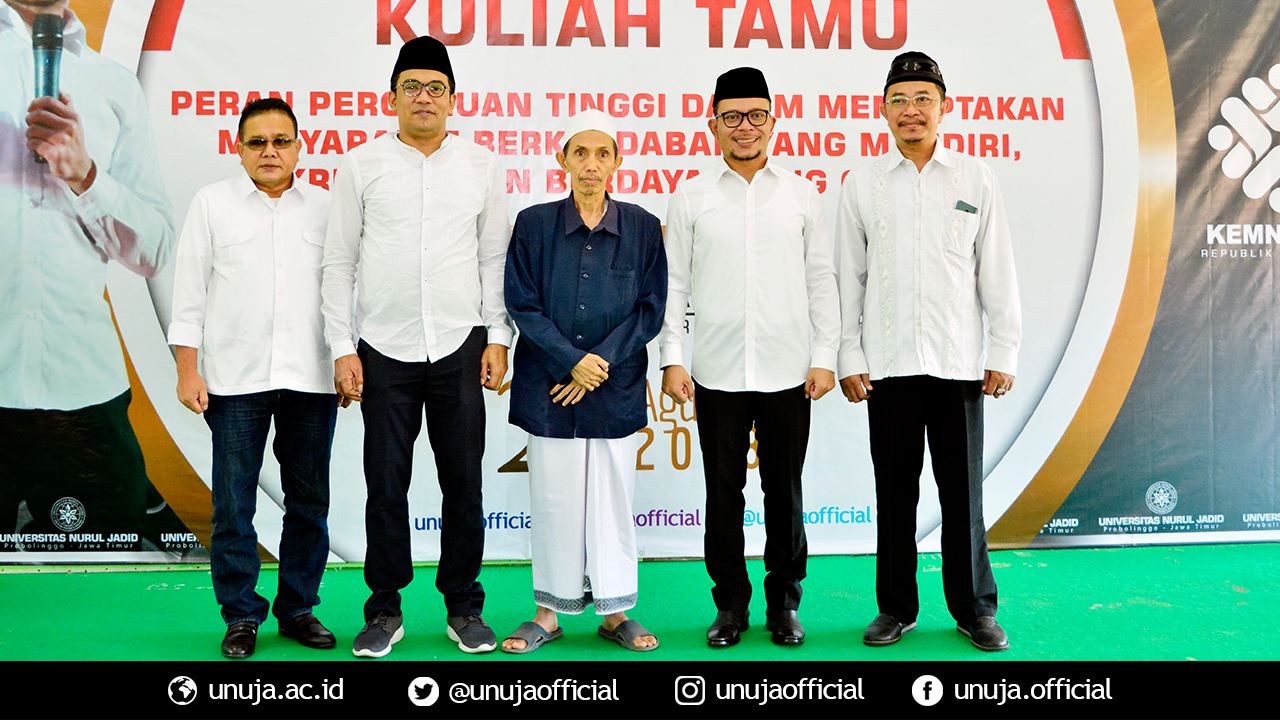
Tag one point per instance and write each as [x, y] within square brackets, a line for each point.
[182, 690]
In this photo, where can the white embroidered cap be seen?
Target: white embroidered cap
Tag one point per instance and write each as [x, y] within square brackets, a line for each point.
[590, 120]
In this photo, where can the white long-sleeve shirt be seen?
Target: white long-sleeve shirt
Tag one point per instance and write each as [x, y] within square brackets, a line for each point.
[246, 288]
[58, 345]
[426, 240]
[755, 261]
[926, 269]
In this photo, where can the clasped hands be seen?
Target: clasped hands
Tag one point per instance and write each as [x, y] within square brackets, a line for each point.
[585, 377]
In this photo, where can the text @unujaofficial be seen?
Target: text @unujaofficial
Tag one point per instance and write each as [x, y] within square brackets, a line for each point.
[519, 692]
[695, 690]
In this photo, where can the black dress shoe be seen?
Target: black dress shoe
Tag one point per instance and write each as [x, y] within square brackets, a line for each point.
[727, 628]
[307, 630]
[885, 630]
[985, 634]
[240, 640]
[785, 626]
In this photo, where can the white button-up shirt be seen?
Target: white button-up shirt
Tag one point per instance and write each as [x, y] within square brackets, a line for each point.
[425, 239]
[925, 257]
[755, 261]
[58, 344]
[246, 288]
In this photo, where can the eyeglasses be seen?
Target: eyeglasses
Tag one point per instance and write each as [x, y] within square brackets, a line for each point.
[260, 144]
[924, 102]
[733, 118]
[413, 88]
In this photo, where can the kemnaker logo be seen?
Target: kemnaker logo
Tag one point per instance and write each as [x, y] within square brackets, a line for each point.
[1248, 137]
[182, 690]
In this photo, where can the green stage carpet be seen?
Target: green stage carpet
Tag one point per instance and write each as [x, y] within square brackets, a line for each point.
[1206, 602]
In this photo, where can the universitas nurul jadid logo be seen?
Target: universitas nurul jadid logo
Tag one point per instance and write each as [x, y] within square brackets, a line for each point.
[1248, 137]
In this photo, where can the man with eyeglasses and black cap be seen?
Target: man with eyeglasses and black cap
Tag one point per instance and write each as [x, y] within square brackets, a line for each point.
[932, 322]
[419, 222]
[247, 289]
[747, 246]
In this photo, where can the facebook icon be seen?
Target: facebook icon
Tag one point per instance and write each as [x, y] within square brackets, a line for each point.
[927, 690]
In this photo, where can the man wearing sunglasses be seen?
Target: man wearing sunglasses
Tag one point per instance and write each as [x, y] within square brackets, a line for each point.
[747, 245]
[419, 222]
[246, 290]
[931, 320]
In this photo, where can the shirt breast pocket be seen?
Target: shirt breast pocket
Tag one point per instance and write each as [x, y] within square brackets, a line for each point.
[620, 291]
[962, 232]
[312, 247]
[234, 252]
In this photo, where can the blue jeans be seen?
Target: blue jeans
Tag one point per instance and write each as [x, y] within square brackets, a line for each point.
[304, 438]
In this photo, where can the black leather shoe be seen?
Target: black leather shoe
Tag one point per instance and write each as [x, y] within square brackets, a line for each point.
[785, 626]
[885, 630]
[727, 628]
[240, 640]
[985, 634]
[307, 630]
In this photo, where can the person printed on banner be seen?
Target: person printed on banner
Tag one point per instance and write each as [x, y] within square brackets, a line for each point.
[419, 221]
[82, 188]
[247, 291]
[932, 322]
[747, 247]
[586, 284]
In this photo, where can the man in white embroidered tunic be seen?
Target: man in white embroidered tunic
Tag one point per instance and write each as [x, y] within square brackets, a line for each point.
[748, 246]
[927, 287]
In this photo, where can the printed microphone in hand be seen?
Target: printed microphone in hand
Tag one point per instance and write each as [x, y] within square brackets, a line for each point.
[46, 44]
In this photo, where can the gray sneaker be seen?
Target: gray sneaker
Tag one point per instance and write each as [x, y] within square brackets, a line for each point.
[471, 633]
[378, 635]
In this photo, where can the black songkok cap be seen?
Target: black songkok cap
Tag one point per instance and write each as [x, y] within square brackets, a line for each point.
[424, 53]
[743, 82]
[914, 66]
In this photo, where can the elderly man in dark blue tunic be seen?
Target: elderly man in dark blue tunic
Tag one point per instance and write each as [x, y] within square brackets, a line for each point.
[586, 285]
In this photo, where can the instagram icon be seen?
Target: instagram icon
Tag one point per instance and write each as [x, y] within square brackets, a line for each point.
[691, 690]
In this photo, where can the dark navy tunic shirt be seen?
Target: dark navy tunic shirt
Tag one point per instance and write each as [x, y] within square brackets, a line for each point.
[572, 291]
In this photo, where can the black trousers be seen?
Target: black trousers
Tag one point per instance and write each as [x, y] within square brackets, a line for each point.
[79, 471]
[781, 421]
[395, 397]
[901, 412]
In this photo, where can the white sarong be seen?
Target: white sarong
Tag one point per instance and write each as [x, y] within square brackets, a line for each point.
[583, 535]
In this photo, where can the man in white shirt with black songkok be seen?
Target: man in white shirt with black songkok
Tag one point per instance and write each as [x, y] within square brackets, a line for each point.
[747, 245]
[419, 220]
[932, 322]
[246, 289]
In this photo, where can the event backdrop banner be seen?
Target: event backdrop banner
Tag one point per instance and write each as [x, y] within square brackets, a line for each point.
[1133, 141]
